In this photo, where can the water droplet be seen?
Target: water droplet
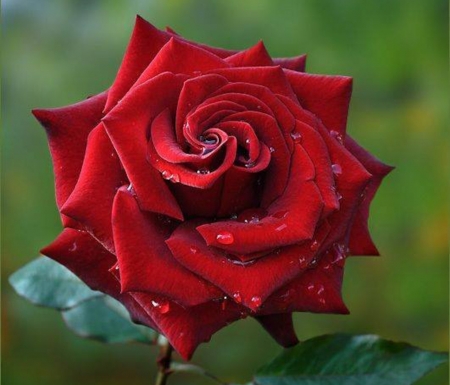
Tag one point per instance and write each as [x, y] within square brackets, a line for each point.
[162, 308]
[338, 195]
[113, 154]
[281, 227]
[320, 290]
[225, 238]
[237, 297]
[203, 171]
[74, 247]
[311, 287]
[258, 107]
[337, 169]
[322, 301]
[252, 215]
[194, 249]
[336, 135]
[302, 262]
[167, 175]
[314, 246]
[280, 214]
[296, 136]
[247, 141]
[249, 164]
[271, 149]
[256, 301]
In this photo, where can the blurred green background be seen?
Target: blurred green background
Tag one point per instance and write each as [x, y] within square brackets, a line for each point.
[56, 52]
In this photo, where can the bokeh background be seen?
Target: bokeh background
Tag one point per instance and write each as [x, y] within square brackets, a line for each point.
[56, 52]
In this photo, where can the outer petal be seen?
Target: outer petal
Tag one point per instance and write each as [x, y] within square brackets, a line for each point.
[296, 63]
[280, 327]
[127, 126]
[91, 201]
[328, 97]
[256, 56]
[86, 258]
[360, 242]
[250, 283]
[145, 43]
[186, 328]
[146, 263]
[67, 131]
[180, 57]
[316, 290]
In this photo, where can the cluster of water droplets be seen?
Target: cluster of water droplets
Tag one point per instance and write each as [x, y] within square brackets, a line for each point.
[162, 307]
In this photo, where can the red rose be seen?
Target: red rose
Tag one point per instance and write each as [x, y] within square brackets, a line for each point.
[209, 185]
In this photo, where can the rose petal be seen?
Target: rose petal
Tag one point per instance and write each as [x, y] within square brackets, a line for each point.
[349, 186]
[145, 262]
[86, 258]
[292, 218]
[328, 97]
[180, 57]
[270, 77]
[67, 131]
[296, 63]
[145, 43]
[186, 328]
[249, 283]
[127, 126]
[280, 327]
[256, 56]
[100, 177]
[360, 242]
[195, 91]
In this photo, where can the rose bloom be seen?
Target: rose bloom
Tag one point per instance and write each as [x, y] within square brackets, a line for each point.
[207, 185]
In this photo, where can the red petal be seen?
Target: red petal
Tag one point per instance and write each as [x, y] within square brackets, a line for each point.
[193, 93]
[145, 43]
[296, 63]
[251, 282]
[328, 97]
[186, 328]
[146, 263]
[349, 185]
[317, 290]
[256, 56]
[292, 218]
[67, 131]
[280, 327]
[86, 258]
[127, 126]
[360, 242]
[91, 201]
[270, 77]
[180, 57]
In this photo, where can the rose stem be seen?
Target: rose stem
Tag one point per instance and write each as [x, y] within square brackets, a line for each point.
[163, 362]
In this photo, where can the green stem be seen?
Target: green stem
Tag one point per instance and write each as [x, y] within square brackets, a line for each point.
[164, 361]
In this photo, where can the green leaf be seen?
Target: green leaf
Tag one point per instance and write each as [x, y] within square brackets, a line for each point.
[107, 320]
[343, 359]
[47, 283]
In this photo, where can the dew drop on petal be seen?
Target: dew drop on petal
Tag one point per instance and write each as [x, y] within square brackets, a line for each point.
[311, 287]
[249, 165]
[336, 135]
[338, 195]
[314, 246]
[194, 249]
[237, 297]
[320, 290]
[247, 141]
[271, 149]
[256, 301]
[203, 171]
[225, 238]
[302, 261]
[281, 227]
[337, 169]
[296, 136]
[252, 215]
[258, 107]
[164, 308]
[73, 247]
